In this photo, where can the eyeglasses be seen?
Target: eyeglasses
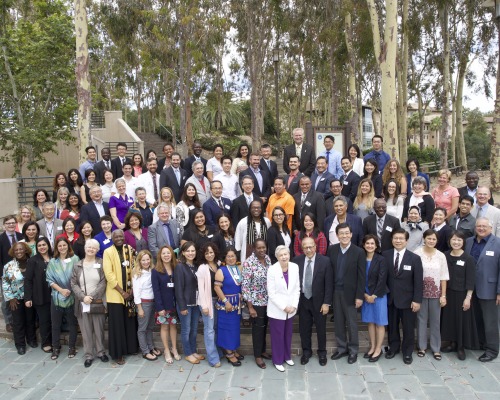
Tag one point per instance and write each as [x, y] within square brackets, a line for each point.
[10, 223]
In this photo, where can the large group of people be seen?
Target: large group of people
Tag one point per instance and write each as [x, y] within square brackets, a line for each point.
[170, 241]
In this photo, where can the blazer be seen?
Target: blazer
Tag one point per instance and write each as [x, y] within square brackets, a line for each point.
[322, 288]
[157, 238]
[89, 213]
[279, 294]
[188, 165]
[354, 222]
[350, 185]
[487, 268]
[186, 287]
[275, 239]
[203, 194]
[116, 167]
[212, 210]
[79, 291]
[390, 223]
[161, 165]
[355, 271]
[467, 225]
[294, 184]
[425, 176]
[112, 268]
[36, 288]
[376, 280]
[266, 182]
[99, 168]
[57, 226]
[273, 171]
[168, 178]
[314, 203]
[307, 158]
[427, 207]
[164, 295]
[329, 206]
[323, 184]
[378, 184]
[132, 241]
[493, 215]
[239, 208]
[463, 191]
[406, 286]
[146, 181]
[5, 247]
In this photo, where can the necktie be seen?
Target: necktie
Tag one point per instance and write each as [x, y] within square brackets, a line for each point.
[479, 212]
[220, 204]
[123, 161]
[303, 199]
[155, 187]
[107, 164]
[178, 176]
[269, 165]
[12, 239]
[328, 157]
[380, 228]
[307, 287]
[169, 235]
[249, 200]
[396, 264]
[298, 150]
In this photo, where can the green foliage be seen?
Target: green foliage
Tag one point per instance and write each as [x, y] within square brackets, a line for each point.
[427, 155]
[477, 140]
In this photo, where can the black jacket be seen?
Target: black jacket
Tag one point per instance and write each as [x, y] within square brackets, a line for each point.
[322, 288]
[36, 288]
[377, 276]
[186, 286]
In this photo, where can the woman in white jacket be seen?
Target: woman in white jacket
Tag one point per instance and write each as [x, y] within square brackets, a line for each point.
[283, 288]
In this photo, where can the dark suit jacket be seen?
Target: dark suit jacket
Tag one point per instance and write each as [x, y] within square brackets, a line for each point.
[354, 222]
[406, 286]
[350, 185]
[322, 288]
[36, 288]
[273, 172]
[487, 268]
[323, 184]
[377, 276]
[212, 210]
[161, 164]
[427, 207]
[390, 223]
[355, 271]
[314, 203]
[294, 184]
[329, 206]
[4, 249]
[275, 239]
[188, 165]
[266, 182]
[99, 168]
[89, 213]
[462, 191]
[239, 208]
[116, 167]
[168, 178]
[307, 158]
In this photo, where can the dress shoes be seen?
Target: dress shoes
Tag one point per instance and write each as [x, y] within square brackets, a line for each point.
[322, 360]
[461, 354]
[104, 358]
[338, 355]
[352, 358]
[374, 359]
[280, 367]
[8, 328]
[267, 356]
[21, 350]
[87, 363]
[486, 358]
[33, 344]
[260, 363]
[304, 359]
[391, 354]
[290, 363]
[367, 355]
[448, 349]
[407, 360]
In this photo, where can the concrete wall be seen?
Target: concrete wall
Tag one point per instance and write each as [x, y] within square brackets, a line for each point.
[8, 188]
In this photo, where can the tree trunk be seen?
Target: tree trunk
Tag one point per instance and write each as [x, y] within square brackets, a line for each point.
[353, 94]
[443, 140]
[334, 88]
[495, 134]
[83, 93]
[187, 102]
[403, 89]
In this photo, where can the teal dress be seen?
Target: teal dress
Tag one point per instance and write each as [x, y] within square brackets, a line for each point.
[228, 323]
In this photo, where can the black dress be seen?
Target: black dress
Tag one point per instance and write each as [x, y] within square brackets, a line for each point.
[457, 325]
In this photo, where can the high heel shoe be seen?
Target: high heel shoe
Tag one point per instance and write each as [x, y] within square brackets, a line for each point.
[236, 363]
[374, 359]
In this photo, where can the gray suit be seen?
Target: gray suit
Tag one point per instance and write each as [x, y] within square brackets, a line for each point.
[57, 230]
[157, 237]
[203, 194]
[493, 215]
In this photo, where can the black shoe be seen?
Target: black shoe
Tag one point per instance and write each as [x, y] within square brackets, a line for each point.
[448, 349]
[332, 318]
[21, 350]
[337, 355]
[352, 358]
[407, 360]
[374, 359]
[104, 358]
[304, 359]
[461, 354]
[87, 363]
[322, 360]
[484, 358]
[8, 328]
[391, 354]
[33, 344]
[367, 355]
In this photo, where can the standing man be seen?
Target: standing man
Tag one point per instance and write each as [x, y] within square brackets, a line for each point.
[340, 215]
[405, 281]
[50, 227]
[174, 177]
[165, 162]
[283, 199]
[464, 221]
[484, 209]
[316, 295]
[150, 181]
[471, 184]
[332, 156]
[350, 179]
[485, 248]
[164, 231]
[336, 190]
[293, 177]
[200, 181]
[307, 200]
[380, 156]
[241, 205]
[188, 162]
[381, 224]
[304, 151]
[321, 178]
[102, 165]
[216, 204]
[230, 185]
[118, 162]
[94, 210]
[90, 162]
[348, 263]
[266, 163]
[261, 178]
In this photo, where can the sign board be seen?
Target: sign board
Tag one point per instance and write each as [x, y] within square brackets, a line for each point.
[320, 136]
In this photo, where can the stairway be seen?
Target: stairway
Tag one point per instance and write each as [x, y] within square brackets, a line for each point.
[153, 142]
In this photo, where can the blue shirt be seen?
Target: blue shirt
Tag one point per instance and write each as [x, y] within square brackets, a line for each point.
[478, 247]
[84, 167]
[381, 157]
[334, 159]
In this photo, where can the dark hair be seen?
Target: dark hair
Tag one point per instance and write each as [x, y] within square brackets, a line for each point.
[346, 158]
[79, 205]
[230, 230]
[59, 240]
[386, 191]
[373, 162]
[231, 248]
[460, 235]
[265, 146]
[412, 160]
[106, 218]
[201, 254]
[55, 185]
[293, 156]
[320, 158]
[167, 144]
[466, 197]
[65, 222]
[26, 226]
[149, 152]
[47, 242]
[429, 232]
[336, 180]
[131, 214]
[342, 225]
[226, 158]
[176, 154]
[140, 155]
[355, 147]
[254, 244]
[315, 231]
[184, 247]
[273, 223]
[400, 230]
[35, 193]
[192, 215]
[88, 172]
[81, 239]
[127, 162]
[329, 137]
[121, 144]
[79, 179]
[440, 209]
[27, 250]
[89, 148]
[216, 146]
[238, 154]
[196, 201]
[371, 236]
[378, 137]
[280, 178]
[150, 160]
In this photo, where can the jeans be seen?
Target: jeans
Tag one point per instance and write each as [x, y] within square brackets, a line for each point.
[189, 329]
[209, 337]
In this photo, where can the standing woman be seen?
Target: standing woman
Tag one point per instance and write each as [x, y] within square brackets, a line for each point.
[73, 208]
[108, 186]
[207, 298]
[393, 170]
[189, 201]
[371, 172]
[186, 290]
[31, 231]
[40, 196]
[145, 302]
[458, 325]
[135, 235]
[224, 236]
[445, 195]
[69, 231]
[141, 206]
[374, 308]
[89, 286]
[356, 157]
[85, 232]
[228, 289]
[250, 228]
[90, 182]
[138, 165]
[105, 236]
[59, 271]
[254, 291]
[23, 317]
[118, 263]
[241, 161]
[25, 214]
[442, 229]
[37, 292]
[198, 231]
[394, 201]
[75, 181]
[162, 280]
[413, 168]
[119, 204]
[419, 197]
[415, 227]
[363, 203]
[60, 181]
[278, 234]
[61, 201]
[214, 166]
[435, 278]
[167, 197]
[283, 289]
[310, 229]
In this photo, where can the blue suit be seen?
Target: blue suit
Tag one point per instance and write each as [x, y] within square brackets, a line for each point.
[323, 184]
[354, 222]
[212, 210]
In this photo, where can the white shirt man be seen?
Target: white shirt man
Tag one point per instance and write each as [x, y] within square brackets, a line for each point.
[230, 185]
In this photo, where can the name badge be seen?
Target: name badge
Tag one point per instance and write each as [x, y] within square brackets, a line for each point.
[346, 183]
[67, 260]
[59, 228]
[308, 204]
[97, 266]
[460, 262]
[210, 236]
[445, 193]
[170, 284]
[191, 208]
[72, 213]
[106, 241]
[322, 179]
[227, 207]
[407, 267]
[388, 228]
[490, 253]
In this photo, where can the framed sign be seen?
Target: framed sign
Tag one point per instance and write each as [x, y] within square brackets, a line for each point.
[320, 136]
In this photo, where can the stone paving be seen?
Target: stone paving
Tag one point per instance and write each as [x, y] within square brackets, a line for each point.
[35, 376]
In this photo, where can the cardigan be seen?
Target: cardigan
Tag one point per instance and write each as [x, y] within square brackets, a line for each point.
[79, 292]
[205, 289]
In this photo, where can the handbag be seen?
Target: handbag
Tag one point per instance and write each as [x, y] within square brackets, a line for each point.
[97, 306]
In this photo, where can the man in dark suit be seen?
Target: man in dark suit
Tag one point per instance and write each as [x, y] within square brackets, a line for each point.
[216, 204]
[340, 206]
[7, 239]
[164, 231]
[188, 162]
[350, 179]
[381, 224]
[102, 165]
[405, 281]
[94, 210]
[348, 263]
[307, 200]
[304, 151]
[174, 177]
[321, 178]
[336, 190]
[293, 177]
[241, 205]
[472, 182]
[485, 248]
[266, 163]
[316, 292]
[117, 163]
[261, 179]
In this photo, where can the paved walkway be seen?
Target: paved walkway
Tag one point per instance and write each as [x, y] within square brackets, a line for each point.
[35, 376]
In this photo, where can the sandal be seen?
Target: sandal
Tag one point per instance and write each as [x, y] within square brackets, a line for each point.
[176, 355]
[437, 356]
[55, 354]
[239, 356]
[156, 352]
[236, 363]
[168, 359]
[421, 353]
[192, 359]
[200, 357]
[47, 349]
[71, 352]
[120, 361]
[150, 357]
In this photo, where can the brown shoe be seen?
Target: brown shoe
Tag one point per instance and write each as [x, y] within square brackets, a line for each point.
[192, 359]
[8, 328]
[200, 357]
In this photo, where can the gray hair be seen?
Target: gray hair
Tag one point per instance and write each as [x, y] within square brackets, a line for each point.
[421, 180]
[48, 204]
[281, 248]
[120, 180]
[92, 242]
[196, 163]
[162, 205]
[484, 219]
[139, 188]
[116, 231]
[341, 198]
